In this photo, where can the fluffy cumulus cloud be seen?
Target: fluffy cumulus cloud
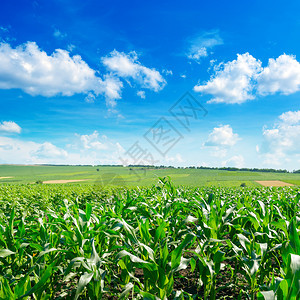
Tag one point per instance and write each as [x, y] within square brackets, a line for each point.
[222, 136]
[32, 70]
[127, 66]
[201, 45]
[92, 141]
[282, 75]
[232, 81]
[244, 78]
[282, 142]
[29, 68]
[290, 117]
[9, 127]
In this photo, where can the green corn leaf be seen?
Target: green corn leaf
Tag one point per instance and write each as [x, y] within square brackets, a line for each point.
[177, 252]
[293, 276]
[128, 287]
[5, 290]
[294, 237]
[160, 232]
[184, 262]
[22, 286]
[132, 257]
[88, 211]
[6, 252]
[148, 296]
[283, 290]
[190, 219]
[11, 222]
[83, 282]
[46, 275]
[193, 264]
[47, 251]
[244, 242]
[94, 259]
[294, 264]
[267, 295]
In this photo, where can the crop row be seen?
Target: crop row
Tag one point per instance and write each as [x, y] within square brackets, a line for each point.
[163, 242]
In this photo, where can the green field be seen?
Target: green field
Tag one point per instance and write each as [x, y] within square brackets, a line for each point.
[159, 242]
[130, 233]
[125, 176]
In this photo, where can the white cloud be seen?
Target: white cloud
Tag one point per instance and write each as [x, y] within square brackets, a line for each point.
[95, 142]
[29, 68]
[90, 98]
[198, 53]
[282, 138]
[290, 117]
[27, 152]
[235, 161]
[112, 89]
[167, 72]
[92, 141]
[127, 66]
[244, 78]
[281, 75]
[222, 136]
[32, 70]
[141, 94]
[85, 149]
[96, 149]
[48, 150]
[232, 82]
[282, 142]
[199, 47]
[9, 127]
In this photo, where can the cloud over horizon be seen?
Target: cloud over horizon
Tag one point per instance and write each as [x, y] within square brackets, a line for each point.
[282, 142]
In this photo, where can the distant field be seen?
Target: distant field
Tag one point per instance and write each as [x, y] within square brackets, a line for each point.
[125, 176]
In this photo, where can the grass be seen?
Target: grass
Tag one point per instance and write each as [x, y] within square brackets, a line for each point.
[136, 176]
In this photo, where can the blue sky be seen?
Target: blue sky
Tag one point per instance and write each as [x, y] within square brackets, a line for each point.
[93, 82]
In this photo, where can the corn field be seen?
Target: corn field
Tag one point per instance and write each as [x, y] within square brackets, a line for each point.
[160, 242]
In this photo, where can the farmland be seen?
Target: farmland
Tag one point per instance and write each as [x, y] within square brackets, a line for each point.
[133, 176]
[87, 241]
